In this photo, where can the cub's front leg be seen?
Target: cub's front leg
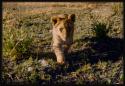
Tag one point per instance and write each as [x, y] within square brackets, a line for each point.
[59, 52]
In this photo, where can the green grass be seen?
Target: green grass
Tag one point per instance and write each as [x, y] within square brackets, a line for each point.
[27, 41]
[100, 30]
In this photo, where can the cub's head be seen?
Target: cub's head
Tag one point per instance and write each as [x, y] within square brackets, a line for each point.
[64, 24]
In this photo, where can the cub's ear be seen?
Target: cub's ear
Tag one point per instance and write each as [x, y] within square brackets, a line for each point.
[72, 17]
[54, 19]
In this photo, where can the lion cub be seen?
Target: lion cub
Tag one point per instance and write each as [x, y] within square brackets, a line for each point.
[63, 29]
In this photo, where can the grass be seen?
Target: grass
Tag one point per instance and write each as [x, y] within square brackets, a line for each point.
[100, 30]
[95, 56]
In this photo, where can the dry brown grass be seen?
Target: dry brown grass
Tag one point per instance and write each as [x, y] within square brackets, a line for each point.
[49, 7]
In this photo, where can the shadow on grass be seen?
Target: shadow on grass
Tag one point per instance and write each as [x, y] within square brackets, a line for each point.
[108, 49]
[103, 50]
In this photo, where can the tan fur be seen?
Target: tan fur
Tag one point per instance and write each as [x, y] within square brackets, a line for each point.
[63, 29]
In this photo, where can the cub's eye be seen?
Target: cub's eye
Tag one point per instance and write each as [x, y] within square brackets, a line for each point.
[54, 21]
[61, 29]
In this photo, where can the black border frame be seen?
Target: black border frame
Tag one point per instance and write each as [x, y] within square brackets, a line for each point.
[62, 0]
[17, 84]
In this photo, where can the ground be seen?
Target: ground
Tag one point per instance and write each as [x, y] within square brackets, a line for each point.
[96, 56]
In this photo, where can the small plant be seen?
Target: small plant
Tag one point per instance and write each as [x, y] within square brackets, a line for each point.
[117, 7]
[100, 30]
[16, 42]
[23, 46]
[79, 82]
[34, 77]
